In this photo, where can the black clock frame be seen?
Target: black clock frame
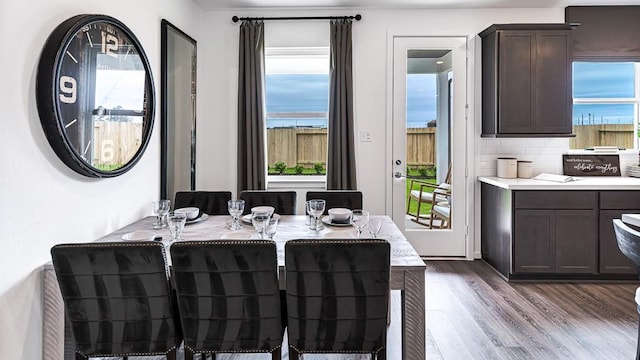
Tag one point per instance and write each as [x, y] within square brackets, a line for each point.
[47, 94]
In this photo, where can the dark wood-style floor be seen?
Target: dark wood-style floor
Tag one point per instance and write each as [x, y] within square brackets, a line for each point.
[472, 313]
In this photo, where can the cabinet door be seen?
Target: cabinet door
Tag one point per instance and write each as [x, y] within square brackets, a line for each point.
[534, 245]
[553, 84]
[515, 85]
[612, 261]
[576, 241]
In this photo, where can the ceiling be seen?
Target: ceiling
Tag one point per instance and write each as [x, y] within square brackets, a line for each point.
[400, 4]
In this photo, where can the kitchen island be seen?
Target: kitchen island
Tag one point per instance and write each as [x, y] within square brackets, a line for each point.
[534, 230]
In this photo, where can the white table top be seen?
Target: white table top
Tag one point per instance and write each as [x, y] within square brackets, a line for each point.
[584, 183]
[289, 227]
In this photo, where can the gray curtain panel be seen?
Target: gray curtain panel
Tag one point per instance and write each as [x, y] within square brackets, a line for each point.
[341, 159]
[251, 108]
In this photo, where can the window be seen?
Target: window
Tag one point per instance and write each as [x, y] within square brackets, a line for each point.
[297, 103]
[605, 104]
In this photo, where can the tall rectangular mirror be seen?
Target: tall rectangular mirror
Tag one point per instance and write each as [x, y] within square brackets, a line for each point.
[178, 106]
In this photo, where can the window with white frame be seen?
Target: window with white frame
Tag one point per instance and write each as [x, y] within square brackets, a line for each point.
[605, 104]
[297, 103]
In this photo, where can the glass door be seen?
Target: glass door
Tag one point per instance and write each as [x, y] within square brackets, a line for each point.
[429, 150]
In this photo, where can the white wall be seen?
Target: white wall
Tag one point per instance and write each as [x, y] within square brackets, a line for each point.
[218, 81]
[44, 202]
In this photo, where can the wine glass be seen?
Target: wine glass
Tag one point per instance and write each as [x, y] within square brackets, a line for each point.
[317, 209]
[374, 227]
[160, 208]
[271, 227]
[359, 219]
[235, 207]
[176, 221]
[260, 221]
[309, 215]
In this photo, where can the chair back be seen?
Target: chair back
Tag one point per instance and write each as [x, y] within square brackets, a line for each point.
[209, 202]
[628, 241]
[338, 199]
[284, 202]
[337, 295]
[117, 298]
[228, 296]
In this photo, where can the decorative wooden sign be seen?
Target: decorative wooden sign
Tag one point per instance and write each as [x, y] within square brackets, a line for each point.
[591, 165]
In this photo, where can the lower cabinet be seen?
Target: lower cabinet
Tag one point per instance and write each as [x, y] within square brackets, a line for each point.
[540, 234]
[555, 241]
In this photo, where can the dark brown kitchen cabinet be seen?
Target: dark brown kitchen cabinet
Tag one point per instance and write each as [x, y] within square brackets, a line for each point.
[555, 232]
[526, 80]
[612, 205]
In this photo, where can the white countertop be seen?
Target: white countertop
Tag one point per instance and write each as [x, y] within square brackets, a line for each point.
[632, 219]
[583, 183]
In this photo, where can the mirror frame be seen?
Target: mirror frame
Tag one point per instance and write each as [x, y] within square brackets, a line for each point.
[50, 95]
[165, 132]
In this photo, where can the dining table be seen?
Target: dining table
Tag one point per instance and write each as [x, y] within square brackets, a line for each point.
[407, 272]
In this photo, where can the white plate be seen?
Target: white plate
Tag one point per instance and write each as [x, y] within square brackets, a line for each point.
[327, 220]
[139, 235]
[203, 217]
[247, 218]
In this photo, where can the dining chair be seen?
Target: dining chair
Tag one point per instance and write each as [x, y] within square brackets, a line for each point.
[228, 296]
[426, 194]
[337, 296]
[629, 244]
[117, 299]
[349, 199]
[209, 202]
[284, 202]
[440, 214]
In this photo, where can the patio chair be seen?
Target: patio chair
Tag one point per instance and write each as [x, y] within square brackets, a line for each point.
[428, 193]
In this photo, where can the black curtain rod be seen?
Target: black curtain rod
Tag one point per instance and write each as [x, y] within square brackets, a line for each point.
[358, 17]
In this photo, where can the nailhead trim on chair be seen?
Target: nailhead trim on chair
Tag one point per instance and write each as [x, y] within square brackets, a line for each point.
[232, 351]
[337, 352]
[127, 354]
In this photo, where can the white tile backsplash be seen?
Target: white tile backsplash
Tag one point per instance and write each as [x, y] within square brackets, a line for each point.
[546, 154]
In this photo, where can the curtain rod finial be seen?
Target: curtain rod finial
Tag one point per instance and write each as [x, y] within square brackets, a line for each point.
[235, 19]
[358, 17]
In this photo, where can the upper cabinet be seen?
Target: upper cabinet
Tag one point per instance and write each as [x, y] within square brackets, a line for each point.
[526, 80]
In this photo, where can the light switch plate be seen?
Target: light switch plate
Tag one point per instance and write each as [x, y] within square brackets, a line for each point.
[365, 136]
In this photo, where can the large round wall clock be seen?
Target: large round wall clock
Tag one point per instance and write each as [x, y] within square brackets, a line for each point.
[95, 95]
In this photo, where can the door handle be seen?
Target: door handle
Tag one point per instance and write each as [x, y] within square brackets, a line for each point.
[399, 175]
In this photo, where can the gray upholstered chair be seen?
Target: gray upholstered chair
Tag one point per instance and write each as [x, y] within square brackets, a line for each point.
[117, 299]
[209, 202]
[337, 296]
[228, 296]
[629, 243]
[349, 199]
[284, 202]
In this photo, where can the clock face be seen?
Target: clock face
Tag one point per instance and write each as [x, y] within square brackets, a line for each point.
[95, 95]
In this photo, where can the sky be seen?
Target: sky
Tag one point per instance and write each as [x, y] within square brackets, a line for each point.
[309, 92]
